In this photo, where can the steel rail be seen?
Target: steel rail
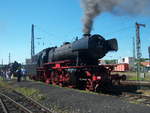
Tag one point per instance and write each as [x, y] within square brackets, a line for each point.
[19, 105]
[146, 99]
[43, 107]
[37, 103]
[3, 106]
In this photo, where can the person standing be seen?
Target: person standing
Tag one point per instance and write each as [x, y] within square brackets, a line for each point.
[19, 74]
[23, 71]
[3, 74]
[7, 74]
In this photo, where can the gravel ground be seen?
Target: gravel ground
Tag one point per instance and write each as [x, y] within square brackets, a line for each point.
[78, 102]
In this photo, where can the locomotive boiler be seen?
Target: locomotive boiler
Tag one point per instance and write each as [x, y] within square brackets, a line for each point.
[85, 51]
[76, 64]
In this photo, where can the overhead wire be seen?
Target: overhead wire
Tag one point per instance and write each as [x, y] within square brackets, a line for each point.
[120, 30]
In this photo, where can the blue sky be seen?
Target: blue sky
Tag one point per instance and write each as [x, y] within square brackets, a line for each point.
[57, 21]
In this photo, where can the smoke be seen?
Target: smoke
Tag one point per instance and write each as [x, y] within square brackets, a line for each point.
[92, 8]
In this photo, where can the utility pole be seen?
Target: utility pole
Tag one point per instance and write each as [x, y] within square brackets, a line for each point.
[138, 41]
[134, 54]
[134, 48]
[149, 55]
[32, 41]
[138, 48]
[9, 59]
[2, 62]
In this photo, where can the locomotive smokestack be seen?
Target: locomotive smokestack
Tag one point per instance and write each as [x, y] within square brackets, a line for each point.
[86, 35]
[93, 8]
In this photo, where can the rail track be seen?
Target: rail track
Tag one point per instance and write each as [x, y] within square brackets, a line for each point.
[132, 91]
[14, 102]
[135, 82]
[136, 98]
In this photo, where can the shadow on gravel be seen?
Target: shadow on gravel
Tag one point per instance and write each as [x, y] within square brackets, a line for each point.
[118, 90]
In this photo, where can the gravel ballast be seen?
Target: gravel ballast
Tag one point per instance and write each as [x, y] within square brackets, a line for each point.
[77, 101]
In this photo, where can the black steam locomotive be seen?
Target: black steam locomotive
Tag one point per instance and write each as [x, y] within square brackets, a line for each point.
[75, 64]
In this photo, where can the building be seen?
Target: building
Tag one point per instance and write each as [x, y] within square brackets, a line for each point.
[28, 61]
[101, 62]
[121, 67]
[146, 66]
[127, 60]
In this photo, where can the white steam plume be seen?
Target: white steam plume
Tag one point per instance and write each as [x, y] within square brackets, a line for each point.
[92, 8]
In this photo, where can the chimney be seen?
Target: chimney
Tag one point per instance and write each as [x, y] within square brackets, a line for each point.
[86, 35]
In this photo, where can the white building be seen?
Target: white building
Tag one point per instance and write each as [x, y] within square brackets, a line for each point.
[127, 60]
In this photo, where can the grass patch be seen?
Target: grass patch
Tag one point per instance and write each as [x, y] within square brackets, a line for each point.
[88, 92]
[133, 75]
[31, 92]
[144, 92]
[134, 102]
[146, 78]
[4, 84]
[132, 78]
[1, 78]
[57, 109]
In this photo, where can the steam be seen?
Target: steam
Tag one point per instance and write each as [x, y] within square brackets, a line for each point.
[92, 8]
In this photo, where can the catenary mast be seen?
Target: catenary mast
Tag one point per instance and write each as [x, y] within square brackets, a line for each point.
[32, 41]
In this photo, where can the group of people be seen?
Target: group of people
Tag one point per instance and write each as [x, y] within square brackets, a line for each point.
[7, 74]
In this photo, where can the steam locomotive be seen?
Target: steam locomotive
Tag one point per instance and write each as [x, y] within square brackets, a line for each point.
[75, 64]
